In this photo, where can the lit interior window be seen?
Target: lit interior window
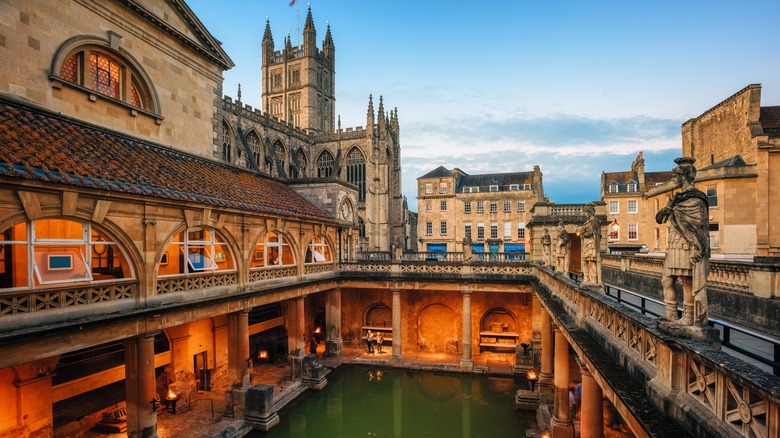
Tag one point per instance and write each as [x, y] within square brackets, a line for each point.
[196, 250]
[318, 251]
[272, 250]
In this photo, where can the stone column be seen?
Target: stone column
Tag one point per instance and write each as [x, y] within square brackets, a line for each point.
[466, 364]
[397, 359]
[140, 387]
[562, 426]
[334, 344]
[300, 324]
[546, 374]
[591, 406]
[238, 349]
[295, 340]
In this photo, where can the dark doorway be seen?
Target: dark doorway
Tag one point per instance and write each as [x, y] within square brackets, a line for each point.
[202, 371]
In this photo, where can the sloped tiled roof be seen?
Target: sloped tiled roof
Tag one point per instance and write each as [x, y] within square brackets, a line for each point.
[770, 120]
[492, 179]
[439, 172]
[735, 161]
[620, 177]
[38, 145]
[653, 178]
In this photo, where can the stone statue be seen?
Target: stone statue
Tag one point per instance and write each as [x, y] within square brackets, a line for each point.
[546, 248]
[562, 250]
[688, 252]
[467, 254]
[591, 243]
[397, 250]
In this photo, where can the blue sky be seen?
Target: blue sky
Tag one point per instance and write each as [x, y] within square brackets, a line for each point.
[577, 87]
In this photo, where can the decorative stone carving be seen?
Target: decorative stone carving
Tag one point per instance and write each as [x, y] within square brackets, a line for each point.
[687, 257]
[591, 243]
[546, 248]
[467, 254]
[562, 250]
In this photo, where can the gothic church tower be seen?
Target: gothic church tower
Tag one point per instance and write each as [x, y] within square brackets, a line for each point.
[299, 82]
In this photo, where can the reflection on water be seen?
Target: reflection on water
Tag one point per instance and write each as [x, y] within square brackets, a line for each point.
[370, 402]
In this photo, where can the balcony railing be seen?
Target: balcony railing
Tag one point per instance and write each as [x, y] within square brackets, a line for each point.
[440, 256]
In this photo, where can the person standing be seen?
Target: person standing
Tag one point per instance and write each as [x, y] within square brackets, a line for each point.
[370, 341]
[379, 339]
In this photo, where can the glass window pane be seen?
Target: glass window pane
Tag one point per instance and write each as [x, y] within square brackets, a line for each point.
[60, 264]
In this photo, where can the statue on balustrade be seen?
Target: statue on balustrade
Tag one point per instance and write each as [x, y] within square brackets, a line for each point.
[562, 250]
[546, 248]
[591, 242]
[688, 253]
[467, 254]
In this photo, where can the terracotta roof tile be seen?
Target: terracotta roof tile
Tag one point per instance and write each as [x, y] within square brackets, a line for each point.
[39, 145]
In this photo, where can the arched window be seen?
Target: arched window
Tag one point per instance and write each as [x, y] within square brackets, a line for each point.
[325, 165]
[318, 251]
[54, 251]
[281, 153]
[301, 163]
[227, 142]
[272, 249]
[254, 145]
[356, 171]
[89, 63]
[196, 250]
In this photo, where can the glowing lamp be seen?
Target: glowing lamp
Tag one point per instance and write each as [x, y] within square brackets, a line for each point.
[532, 378]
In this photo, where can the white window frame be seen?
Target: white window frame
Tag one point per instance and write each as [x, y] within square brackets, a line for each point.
[480, 231]
[442, 187]
[632, 187]
[613, 188]
[633, 228]
[429, 228]
[428, 188]
[616, 205]
[494, 187]
[443, 228]
[493, 206]
[634, 210]
[467, 230]
[467, 207]
[521, 231]
[714, 236]
[507, 206]
[443, 205]
[521, 206]
[494, 230]
[514, 187]
[480, 206]
[507, 230]
[526, 186]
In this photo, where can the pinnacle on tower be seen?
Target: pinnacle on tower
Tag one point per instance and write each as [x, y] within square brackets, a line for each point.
[328, 41]
[370, 116]
[267, 34]
[309, 36]
[381, 116]
[309, 25]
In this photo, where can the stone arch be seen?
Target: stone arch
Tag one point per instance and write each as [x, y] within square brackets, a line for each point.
[378, 315]
[498, 318]
[301, 164]
[140, 76]
[326, 164]
[280, 151]
[227, 142]
[438, 329]
[227, 241]
[114, 231]
[356, 171]
[255, 149]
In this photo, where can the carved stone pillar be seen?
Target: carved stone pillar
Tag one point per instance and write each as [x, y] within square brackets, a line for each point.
[238, 349]
[297, 345]
[561, 422]
[140, 387]
[546, 374]
[397, 334]
[334, 343]
[466, 364]
[591, 406]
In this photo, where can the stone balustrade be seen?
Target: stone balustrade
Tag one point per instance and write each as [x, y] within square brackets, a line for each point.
[705, 389]
[760, 279]
[35, 300]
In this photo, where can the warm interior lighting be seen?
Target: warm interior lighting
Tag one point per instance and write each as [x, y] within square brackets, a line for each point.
[614, 229]
[317, 330]
[532, 378]
[171, 395]
[263, 354]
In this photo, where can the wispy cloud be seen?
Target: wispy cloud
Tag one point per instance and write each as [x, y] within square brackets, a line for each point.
[572, 151]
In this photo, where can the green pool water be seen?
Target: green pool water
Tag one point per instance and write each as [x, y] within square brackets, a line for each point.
[362, 401]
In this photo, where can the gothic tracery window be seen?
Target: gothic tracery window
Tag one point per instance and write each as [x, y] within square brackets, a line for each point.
[254, 145]
[356, 171]
[227, 142]
[281, 153]
[301, 158]
[325, 164]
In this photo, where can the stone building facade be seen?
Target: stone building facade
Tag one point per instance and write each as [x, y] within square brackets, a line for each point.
[491, 210]
[735, 145]
[297, 136]
[630, 219]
